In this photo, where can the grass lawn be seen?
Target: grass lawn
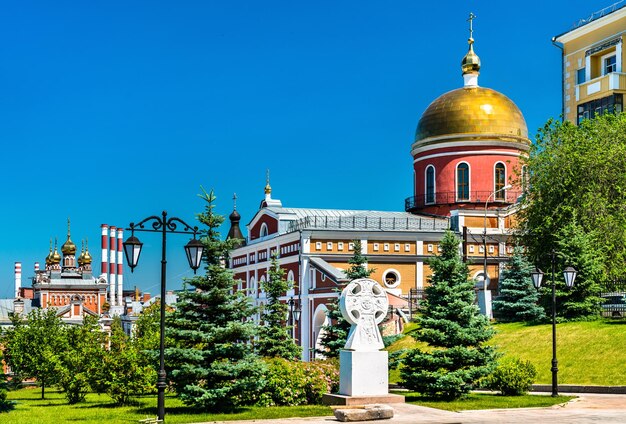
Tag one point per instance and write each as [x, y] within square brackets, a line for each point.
[589, 353]
[488, 401]
[99, 408]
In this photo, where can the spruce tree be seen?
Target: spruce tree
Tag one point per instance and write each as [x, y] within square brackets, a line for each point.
[518, 297]
[211, 362]
[454, 330]
[335, 335]
[274, 336]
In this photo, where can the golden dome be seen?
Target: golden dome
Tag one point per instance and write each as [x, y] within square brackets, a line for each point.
[86, 256]
[68, 248]
[472, 113]
[471, 61]
[55, 258]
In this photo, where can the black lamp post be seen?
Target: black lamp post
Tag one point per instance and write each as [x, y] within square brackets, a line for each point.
[193, 249]
[294, 312]
[537, 276]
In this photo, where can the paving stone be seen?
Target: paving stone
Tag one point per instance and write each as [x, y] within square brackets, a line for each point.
[365, 413]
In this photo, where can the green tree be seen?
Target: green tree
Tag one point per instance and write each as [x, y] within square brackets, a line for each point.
[33, 346]
[454, 330]
[577, 179]
[575, 247]
[147, 332]
[211, 362]
[5, 404]
[81, 360]
[125, 372]
[518, 297]
[334, 335]
[275, 339]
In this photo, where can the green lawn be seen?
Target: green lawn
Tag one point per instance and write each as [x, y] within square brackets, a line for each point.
[488, 401]
[99, 408]
[590, 353]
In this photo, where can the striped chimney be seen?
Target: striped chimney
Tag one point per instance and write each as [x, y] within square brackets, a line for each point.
[104, 268]
[120, 255]
[18, 278]
[36, 267]
[112, 264]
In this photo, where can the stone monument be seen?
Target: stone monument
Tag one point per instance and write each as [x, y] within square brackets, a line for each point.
[363, 367]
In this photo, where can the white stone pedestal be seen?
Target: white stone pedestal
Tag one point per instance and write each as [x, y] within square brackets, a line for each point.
[363, 373]
[484, 303]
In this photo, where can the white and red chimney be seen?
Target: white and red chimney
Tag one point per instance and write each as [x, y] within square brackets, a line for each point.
[18, 278]
[112, 265]
[120, 254]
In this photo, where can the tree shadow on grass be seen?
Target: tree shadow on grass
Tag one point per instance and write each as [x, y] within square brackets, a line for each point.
[615, 321]
[182, 410]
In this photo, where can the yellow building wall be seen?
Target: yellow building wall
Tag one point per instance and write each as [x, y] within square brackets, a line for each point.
[331, 246]
[574, 51]
[377, 247]
[479, 222]
[406, 271]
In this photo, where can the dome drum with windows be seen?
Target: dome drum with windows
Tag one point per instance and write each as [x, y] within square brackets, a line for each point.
[468, 145]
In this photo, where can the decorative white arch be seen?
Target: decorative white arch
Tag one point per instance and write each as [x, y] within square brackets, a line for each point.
[320, 320]
[291, 278]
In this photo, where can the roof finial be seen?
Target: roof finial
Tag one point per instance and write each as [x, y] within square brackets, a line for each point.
[268, 188]
[471, 28]
[470, 64]
[234, 201]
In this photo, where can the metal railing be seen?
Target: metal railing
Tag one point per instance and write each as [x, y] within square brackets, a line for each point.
[369, 223]
[599, 14]
[450, 197]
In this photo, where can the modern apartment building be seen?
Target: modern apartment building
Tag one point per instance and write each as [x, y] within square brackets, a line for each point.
[593, 79]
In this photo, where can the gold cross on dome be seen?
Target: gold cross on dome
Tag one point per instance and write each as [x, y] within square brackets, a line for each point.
[470, 20]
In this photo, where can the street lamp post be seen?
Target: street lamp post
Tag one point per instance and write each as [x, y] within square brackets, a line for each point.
[294, 315]
[485, 275]
[537, 276]
[194, 250]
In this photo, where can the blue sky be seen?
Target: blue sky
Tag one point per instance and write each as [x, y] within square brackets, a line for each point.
[113, 111]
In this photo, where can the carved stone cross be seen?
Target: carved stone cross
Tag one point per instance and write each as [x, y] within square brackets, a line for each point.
[364, 304]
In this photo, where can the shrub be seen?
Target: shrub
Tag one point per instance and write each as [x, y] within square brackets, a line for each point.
[297, 383]
[512, 377]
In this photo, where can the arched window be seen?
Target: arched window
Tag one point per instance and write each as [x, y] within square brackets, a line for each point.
[430, 184]
[263, 232]
[462, 182]
[500, 181]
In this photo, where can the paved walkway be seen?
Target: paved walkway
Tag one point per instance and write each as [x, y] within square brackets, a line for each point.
[587, 408]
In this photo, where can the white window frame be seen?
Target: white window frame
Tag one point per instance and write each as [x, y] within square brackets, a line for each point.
[469, 181]
[503, 192]
[386, 247]
[396, 247]
[471, 248]
[318, 245]
[264, 231]
[340, 245]
[604, 58]
[407, 247]
[350, 246]
[430, 248]
[426, 202]
[329, 245]
[375, 247]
